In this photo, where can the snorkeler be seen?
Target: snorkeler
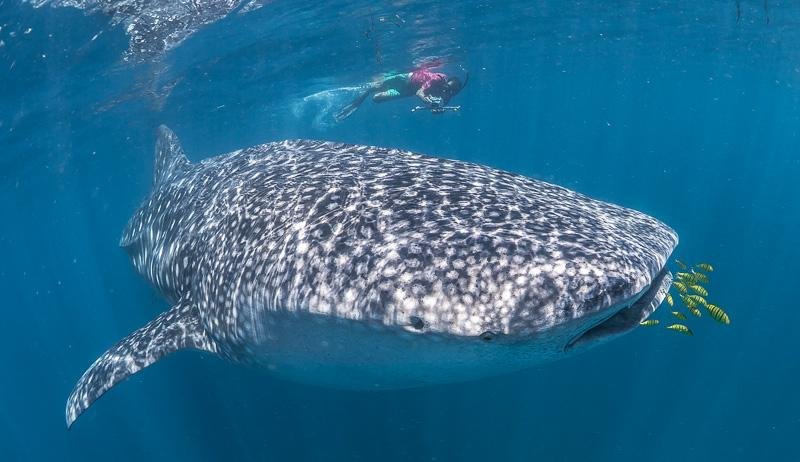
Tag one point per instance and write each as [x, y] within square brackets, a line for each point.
[435, 89]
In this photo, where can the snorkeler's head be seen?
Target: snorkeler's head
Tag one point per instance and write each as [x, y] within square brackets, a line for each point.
[451, 88]
[447, 89]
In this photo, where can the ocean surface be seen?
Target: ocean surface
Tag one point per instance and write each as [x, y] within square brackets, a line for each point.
[686, 110]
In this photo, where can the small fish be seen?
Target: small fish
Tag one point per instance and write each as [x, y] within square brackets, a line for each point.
[649, 322]
[669, 300]
[691, 303]
[718, 314]
[699, 277]
[687, 278]
[705, 267]
[681, 287]
[681, 264]
[700, 290]
[680, 328]
[679, 315]
[697, 299]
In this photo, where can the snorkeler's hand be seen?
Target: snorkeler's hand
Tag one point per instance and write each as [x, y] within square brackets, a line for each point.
[429, 100]
[434, 101]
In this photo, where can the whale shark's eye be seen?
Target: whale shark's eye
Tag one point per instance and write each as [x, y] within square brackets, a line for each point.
[487, 336]
[416, 322]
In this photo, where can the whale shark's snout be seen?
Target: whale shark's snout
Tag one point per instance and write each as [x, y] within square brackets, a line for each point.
[626, 301]
[624, 317]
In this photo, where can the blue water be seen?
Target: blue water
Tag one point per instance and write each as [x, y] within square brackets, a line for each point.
[677, 109]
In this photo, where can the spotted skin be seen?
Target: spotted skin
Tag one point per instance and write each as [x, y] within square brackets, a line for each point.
[288, 250]
[156, 26]
[173, 330]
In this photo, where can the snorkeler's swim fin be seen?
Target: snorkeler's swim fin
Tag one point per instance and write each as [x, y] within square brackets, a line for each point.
[176, 329]
[351, 108]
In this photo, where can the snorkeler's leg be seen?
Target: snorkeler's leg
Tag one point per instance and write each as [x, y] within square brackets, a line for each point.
[348, 110]
[387, 87]
[387, 95]
[395, 80]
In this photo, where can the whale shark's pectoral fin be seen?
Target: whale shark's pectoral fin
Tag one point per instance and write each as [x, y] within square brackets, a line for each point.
[173, 330]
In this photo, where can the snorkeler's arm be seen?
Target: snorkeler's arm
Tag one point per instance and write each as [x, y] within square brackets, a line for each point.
[428, 99]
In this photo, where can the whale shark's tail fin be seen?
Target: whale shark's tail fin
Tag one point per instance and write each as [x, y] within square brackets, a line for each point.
[170, 158]
[173, 330]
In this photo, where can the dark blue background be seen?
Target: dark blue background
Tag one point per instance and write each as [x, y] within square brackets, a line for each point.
[673, 108]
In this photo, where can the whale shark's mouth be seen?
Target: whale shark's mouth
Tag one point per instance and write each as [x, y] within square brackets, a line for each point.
[628, 317]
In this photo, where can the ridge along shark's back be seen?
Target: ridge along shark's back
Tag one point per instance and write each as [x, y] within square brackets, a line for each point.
[360, 266]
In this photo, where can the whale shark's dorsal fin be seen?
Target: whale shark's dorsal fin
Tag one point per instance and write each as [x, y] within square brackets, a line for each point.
[176, 329]
[170, 158]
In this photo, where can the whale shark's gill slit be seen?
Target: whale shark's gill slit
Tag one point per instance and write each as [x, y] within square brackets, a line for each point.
[629, 316]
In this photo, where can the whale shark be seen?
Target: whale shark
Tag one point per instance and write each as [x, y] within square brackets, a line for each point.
[154, 27]
[370, 268]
